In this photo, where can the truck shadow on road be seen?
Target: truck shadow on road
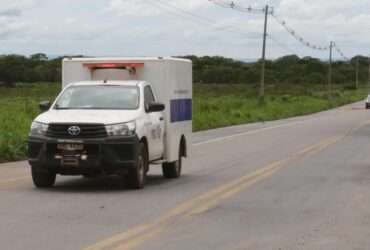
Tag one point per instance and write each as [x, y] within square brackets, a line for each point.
[111, 184]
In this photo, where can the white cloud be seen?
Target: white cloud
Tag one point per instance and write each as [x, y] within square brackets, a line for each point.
[151, 7]
[174, 27]
[15, 8]
[10, 11]
[321, 9]
[10, 27]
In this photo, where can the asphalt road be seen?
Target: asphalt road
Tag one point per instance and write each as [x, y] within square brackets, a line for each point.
[301, 183]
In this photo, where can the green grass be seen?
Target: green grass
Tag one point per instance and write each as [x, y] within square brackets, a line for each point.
[18, 107]
[219, 105]
[214, 106]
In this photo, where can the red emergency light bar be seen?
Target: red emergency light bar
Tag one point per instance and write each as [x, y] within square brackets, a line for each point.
[94, 66]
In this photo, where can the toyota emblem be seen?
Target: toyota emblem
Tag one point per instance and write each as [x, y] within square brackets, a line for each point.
[74, 130]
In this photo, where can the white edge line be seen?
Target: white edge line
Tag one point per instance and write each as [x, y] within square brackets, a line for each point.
[256, 131]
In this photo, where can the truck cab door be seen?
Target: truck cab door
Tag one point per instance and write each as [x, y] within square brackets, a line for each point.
[155, 126]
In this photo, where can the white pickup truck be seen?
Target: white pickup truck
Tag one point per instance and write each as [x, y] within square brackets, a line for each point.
[114, 116]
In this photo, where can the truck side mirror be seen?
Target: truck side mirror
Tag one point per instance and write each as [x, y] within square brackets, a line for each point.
[155, 107]
[45, 106]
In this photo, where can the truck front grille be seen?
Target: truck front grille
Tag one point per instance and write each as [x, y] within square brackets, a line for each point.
[86, 131]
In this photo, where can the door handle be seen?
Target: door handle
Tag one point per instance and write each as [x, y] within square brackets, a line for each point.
[161, 118]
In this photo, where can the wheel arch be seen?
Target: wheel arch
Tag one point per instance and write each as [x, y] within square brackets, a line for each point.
[144, 140]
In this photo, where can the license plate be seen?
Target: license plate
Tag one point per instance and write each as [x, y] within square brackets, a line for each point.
[70, 161]
[71, 147]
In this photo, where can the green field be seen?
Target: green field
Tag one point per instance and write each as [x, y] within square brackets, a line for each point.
[18, 107]
[214, 106]
[224, 105]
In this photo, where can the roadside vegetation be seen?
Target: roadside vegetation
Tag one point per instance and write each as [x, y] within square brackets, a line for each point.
[224, 105]
[225, 92]
[289, 69]
[18, 107]
[214, 106]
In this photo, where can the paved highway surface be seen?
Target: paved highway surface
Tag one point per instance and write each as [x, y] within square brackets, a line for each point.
[301, 183]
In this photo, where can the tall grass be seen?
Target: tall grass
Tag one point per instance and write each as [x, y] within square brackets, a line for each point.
[214, 106]
[224, 105]
[18, 107]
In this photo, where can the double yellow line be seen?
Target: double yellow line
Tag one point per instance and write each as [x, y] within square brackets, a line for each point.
[136, 236]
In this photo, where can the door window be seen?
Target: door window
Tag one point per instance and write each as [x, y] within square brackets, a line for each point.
[148, 96]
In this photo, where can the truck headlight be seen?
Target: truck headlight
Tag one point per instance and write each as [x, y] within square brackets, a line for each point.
[38, 128]
[123, 129]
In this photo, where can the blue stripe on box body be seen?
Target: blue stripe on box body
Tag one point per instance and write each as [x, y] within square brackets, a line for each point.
[181, 110]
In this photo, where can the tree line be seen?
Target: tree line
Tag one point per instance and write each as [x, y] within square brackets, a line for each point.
[35, 68]
[288, 69]
[211, 70]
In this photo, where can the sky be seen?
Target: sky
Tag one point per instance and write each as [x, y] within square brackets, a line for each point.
[181, 27]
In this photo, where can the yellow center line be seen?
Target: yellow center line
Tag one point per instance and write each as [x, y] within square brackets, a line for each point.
[247, 181]
[215, 197]
[136, 236]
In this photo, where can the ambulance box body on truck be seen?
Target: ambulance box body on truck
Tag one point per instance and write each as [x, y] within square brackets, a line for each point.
[115, 116]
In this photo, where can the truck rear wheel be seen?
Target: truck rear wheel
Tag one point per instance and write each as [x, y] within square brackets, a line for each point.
[172, 170]
[137, 175]
[43, 179]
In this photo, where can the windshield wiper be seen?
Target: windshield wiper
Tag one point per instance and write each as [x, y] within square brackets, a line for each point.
[62, 108]
[57, 107]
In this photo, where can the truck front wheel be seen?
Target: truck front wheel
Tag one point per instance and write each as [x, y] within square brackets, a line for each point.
[43, 179]
[137, 175]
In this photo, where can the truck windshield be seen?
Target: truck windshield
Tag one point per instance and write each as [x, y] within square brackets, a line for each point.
[99, 97]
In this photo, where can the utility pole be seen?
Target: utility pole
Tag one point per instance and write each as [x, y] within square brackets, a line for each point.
[330, 72]
[262, 86]
[357, 70]
[368, 84]
[267, 11]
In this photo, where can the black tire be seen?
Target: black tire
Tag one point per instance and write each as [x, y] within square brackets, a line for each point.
[172, 170]
[137, 176]
[43, 179]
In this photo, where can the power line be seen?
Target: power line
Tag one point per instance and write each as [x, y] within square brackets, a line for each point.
[232, 5]
[340, 52]
[281, 45]
[194, 17]
[266, 12]
[184, 12]
[207, 21]
[299, 38]
[292, 32]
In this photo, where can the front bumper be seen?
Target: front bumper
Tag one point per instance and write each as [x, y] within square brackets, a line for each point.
[108, 155]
